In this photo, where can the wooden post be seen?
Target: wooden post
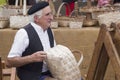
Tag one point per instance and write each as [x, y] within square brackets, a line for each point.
[52, 7]
[0, 69]
[104, 51]
[21, 3]
[89, 3]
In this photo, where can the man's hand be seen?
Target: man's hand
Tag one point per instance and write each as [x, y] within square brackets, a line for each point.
[38, 56]
[50, 78]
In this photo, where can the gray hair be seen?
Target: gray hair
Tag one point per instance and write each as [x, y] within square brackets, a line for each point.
[38, 13]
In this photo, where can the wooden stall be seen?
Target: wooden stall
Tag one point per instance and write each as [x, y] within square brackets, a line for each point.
[83, 39]
[106, 50]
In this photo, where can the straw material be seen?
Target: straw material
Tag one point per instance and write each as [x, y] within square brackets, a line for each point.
[18, 21]
[98, 12]
[77, 22]
[6, 11]
[62, 63]
[54, 24]
[63, 21]
[4, 22]
[108, 18]
[69, 21]
[116, 6]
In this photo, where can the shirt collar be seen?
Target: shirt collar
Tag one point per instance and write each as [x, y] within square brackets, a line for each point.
[37, 27]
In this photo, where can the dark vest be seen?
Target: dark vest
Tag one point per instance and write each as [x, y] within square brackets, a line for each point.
[69, 1]
[116, 1]
[33, 71]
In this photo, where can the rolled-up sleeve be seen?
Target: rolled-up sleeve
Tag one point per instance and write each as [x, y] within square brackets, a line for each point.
[20, 43]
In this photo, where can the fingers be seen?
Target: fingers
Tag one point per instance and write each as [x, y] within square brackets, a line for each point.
[42, 54]
[50, 78]
[39, 56]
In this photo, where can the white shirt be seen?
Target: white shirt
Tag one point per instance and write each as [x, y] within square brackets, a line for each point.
[21, 42]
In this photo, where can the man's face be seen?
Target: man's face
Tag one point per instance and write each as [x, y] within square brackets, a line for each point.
[45, 20]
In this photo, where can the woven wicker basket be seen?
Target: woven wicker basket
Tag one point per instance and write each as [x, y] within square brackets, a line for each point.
[63, 64]
[100, 11]
[70, 21]
[63, 21]
[20, 20]
[54, 24]
[76, 22]
[117, 6]
[9, 10]
[108, 18]
[4, 22]
[5, 13]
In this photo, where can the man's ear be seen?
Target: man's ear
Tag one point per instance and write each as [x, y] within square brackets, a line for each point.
[36, 18]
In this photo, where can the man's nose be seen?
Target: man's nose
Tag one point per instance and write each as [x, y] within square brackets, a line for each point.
[51, 16]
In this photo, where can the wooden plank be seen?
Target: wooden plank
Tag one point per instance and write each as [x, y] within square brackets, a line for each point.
[6, 72]
[104, 51]
[96, 54]
[10, 72]
[13, 74]
[116, 37]
[102, 64]
[0, 68]
[113, 54]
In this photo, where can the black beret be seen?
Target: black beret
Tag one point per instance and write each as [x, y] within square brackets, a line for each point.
[69, 1]
[38, 6]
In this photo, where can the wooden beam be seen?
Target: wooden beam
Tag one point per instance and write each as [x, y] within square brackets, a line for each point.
[0, 68]
[105, 51]
[96, 54]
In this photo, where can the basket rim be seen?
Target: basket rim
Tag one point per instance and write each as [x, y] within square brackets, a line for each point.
[4, 18]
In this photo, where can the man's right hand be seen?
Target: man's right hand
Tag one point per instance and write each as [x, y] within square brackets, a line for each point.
[38, 56]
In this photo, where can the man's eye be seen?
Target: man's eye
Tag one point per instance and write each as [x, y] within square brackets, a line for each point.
[48, 14]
